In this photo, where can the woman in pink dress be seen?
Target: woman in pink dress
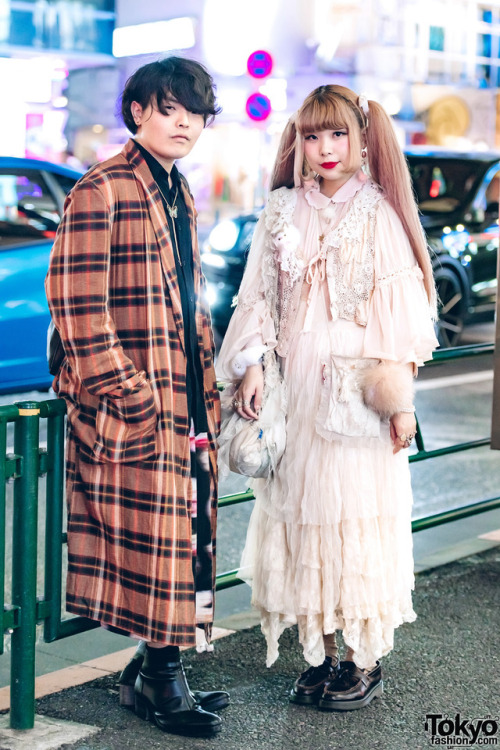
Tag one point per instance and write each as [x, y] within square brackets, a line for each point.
[339, 283]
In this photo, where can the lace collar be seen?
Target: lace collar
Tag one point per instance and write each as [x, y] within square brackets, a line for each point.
[316, 199]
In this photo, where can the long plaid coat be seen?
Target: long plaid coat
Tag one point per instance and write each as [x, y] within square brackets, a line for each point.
[113, 295]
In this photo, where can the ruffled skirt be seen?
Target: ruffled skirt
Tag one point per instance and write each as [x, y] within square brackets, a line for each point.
[329, 545]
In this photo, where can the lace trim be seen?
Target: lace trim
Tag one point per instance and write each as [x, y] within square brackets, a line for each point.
[349, 249]
[248, 303]
[279, 286]
[350, 256]
[350, 231]
[280, 209]
[406, 271]
[285, 237]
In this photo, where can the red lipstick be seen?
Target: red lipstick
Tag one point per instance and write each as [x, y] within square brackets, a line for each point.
[329, 164]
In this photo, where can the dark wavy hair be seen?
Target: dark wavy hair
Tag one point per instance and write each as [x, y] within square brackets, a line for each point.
[178, 77]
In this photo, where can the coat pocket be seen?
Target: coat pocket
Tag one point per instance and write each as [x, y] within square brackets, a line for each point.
[126, 427]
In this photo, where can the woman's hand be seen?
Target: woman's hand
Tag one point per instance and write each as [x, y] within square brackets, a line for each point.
[250, 389]
[403, 428]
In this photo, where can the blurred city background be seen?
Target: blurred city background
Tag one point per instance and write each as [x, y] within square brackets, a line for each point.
[433, 64]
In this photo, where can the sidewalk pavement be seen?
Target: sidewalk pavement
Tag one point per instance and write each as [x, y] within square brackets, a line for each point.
[443, 677]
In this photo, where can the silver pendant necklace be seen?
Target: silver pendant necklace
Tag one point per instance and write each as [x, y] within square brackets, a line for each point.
[172, 212]
[172, 209]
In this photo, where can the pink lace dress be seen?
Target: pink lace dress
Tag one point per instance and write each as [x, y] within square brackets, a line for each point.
[329, 544]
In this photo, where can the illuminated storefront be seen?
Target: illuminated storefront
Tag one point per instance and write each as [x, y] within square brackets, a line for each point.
[434, 65]
[41, 43]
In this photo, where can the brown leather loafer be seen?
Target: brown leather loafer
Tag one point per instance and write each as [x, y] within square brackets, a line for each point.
[352, 688]
[309, 686]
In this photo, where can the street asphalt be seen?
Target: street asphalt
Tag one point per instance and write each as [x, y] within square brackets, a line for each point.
[441, 683]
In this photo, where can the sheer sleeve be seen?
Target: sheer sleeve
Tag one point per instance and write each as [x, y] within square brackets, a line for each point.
[400, 326]
[251, 329]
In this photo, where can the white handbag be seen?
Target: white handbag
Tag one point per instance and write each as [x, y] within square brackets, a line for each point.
[254, 447]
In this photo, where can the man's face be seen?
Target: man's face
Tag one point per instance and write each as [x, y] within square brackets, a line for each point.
[167, 136]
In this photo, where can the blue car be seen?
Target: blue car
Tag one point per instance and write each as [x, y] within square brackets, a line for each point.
[32, 195]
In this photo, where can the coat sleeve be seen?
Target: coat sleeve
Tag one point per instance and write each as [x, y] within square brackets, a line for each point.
[77, 285]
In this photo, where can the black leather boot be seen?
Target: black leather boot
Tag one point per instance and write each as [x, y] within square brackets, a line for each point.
[212, 700]
[164, 698]
[129, 674]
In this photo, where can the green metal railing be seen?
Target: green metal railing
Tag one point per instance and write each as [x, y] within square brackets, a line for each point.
[230, 578]
[27, 464]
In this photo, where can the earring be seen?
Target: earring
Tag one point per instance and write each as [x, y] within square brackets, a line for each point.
[364, 163]
[307, 172]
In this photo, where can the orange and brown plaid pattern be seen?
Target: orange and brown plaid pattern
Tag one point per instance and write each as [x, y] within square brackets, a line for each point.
[113, 295]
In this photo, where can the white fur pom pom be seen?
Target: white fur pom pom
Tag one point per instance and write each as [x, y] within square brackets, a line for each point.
[387, 388]
[287, 241]
[245, 358]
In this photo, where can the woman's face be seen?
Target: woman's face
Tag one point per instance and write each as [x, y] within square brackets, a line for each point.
[327, 153]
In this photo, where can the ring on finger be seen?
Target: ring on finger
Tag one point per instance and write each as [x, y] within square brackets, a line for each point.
[245, 403]
[406, 439]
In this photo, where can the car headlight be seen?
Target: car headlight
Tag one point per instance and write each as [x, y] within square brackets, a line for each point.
[211, 294]
[455, 242]
[210, 259]
[223, 236]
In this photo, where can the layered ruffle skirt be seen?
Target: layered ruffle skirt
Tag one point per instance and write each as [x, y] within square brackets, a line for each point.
[329, 545]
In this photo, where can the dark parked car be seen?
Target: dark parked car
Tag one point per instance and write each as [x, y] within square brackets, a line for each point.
[32, 195]
[458, 195]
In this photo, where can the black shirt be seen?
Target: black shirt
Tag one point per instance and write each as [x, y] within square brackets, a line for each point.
[180, 233]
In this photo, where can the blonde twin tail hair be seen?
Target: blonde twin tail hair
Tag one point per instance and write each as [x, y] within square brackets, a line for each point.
[388, 168]
[282, 174]
[333, 106]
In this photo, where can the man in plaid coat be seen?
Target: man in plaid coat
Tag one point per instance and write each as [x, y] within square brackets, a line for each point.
[126, 294]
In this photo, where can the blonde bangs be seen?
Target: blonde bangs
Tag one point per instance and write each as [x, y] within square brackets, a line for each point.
[325, 113]
[329, 109]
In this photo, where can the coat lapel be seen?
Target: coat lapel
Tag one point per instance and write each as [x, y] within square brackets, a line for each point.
[159, 221]
[188, 200]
